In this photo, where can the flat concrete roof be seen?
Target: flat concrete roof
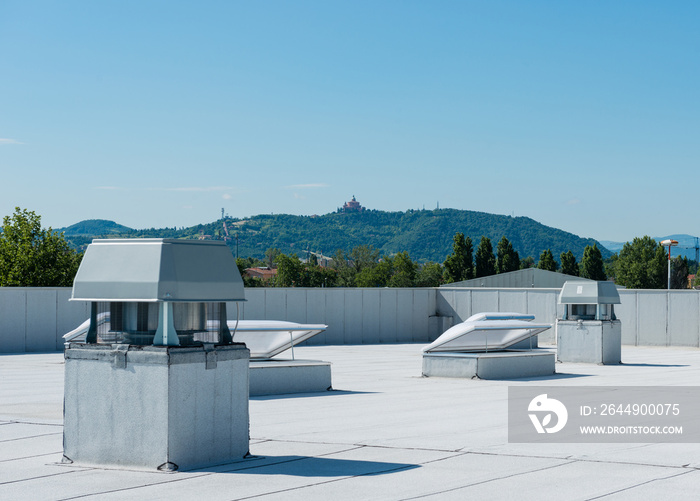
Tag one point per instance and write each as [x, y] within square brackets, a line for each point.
[385, 432]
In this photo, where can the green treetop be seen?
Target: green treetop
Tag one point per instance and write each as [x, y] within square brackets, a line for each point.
[569, 266]
[460, 264]
[429, 275]
[679, 272]
[641, 264]
[485, 261]
[547, 261]
[592, 266]
[404, 271]
[507, 258]
[34, 257]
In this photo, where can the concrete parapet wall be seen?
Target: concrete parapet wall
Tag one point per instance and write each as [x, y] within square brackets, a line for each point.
[34, 319]
[353, 315]
[659, 317]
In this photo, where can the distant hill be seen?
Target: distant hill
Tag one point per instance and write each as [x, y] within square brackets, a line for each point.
[79, 235]
[613, 247]
[425, 234]
[687, 245]
[96, 227]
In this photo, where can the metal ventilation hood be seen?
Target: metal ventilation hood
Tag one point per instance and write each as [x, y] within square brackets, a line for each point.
[588, 292]
[158, 270]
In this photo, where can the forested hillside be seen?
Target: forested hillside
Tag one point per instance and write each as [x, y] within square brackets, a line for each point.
[425, 234]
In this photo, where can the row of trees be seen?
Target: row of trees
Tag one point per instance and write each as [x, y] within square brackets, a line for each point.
[640, 264]
[465, 264]
[364, 266]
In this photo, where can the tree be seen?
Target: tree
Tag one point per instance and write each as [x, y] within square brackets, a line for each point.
[609, 266]
[569, 266]
[317, 276]
[485, 261]
[547, 261]
[364, 256]
[289, 271]
[679, 272]
[345, 274]
[363, 261]
[34, 257]
[592, 266]
[375, 275]
[507, 258]
[460, 264]
[429, 275]
[528, 262]
[641, 264]
[404, 271]
[270, 255]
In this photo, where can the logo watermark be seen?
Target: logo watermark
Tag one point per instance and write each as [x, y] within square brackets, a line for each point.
[604, 414]
[549, 406]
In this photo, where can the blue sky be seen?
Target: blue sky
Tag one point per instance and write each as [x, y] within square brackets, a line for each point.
[583, 115]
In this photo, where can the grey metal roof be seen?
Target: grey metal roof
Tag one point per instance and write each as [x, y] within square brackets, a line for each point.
[158, 269]
[529, 277]
[589, 292]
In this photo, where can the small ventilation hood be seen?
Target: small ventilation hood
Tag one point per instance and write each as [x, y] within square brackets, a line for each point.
[158, 269]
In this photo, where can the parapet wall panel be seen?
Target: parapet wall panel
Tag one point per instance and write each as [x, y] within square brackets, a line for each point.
[275, 304]
[35, 319]
[543, 304]
[512, 301]
[486, 300]
[652, 317]
[296, 305]
[388, 330]
[353, 316]
[423, 309]
[626, 312]
[404, 315]
[455, 303]
[41, 320]
[13, 320]
[371, 310]
[683, 319]
[335, 316]
[253, 308]
[316, 313]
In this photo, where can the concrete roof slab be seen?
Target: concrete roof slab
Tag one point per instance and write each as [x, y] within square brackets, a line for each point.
[385, 433]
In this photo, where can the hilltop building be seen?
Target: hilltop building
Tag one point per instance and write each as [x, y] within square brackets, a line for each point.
[351, 206]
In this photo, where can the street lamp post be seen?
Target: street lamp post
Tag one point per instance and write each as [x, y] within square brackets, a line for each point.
[669, 243]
